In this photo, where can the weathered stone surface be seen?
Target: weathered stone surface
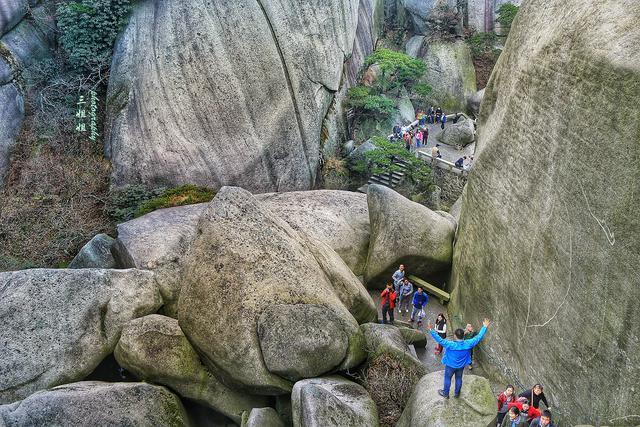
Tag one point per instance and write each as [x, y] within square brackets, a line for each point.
[405, 232]
[413, 336]
[553, 225]
[155, 349]
[332, 401]
[450, 72]
[475, 101]
[482, 14]
[11, 13]
[371, 22]
[58, 325]
[421, 11]
[223, 134]
[97, 403]
[406, 113]
[346, 285]
[458, 134]
[263, 417]
[31, 40]
[157, 241]
[387, 339]
[260, 263]
[11, 116]
[95, 254]
[475, 408]
[359, 152]
[338, 218]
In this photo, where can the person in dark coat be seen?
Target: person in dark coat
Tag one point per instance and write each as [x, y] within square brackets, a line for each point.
[535, 395]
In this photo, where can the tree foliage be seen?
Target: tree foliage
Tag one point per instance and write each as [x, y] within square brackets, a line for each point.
[369, 103]
[89, 29]
[506, 14]
[397, 69]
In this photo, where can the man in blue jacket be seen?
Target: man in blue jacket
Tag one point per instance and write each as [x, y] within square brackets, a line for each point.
[457, 355]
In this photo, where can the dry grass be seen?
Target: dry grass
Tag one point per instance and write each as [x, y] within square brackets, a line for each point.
[390, 383]
[56, 189]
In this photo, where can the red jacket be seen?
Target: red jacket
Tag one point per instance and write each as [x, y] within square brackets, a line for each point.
[503, 399]
[532, 414]
[388, 296]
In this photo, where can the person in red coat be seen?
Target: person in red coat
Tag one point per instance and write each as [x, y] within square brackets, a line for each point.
[504, 399]
[525, 408]
[388, 303]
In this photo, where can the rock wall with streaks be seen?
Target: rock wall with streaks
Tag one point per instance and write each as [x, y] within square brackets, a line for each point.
[220, 93]
[548, 243]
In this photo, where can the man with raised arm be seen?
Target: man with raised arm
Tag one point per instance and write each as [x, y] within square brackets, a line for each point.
[457, 355]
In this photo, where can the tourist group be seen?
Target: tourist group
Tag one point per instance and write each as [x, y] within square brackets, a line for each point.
[514, 410]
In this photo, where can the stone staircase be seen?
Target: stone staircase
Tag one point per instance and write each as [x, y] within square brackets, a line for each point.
[391, 180]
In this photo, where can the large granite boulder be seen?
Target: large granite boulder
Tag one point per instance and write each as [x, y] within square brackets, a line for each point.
[458, 134]
[93, 403]
[155, 349]
[549, 233]
[263, 417]
[476, 406]
[424, 12]
[95, 254]
[332, 402]
[475, 102]
[405, 232]
[58, 325]
[157, 241]
[290, 58]
[264, 295]
[481, 14]
[450, 73]
[338, 218]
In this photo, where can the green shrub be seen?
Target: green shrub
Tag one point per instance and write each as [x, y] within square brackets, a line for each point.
[482, 43]
[89, 29]
[506, 14]
[417, 173]
[124, 203]
[177, 196]
[422, 89]
[397, 69]
[370, 104]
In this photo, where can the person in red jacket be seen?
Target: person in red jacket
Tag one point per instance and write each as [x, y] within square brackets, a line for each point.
[388, 303]
[525, 408]
[504, 398]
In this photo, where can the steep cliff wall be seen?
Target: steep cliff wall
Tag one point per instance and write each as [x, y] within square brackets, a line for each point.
[220, 93]
[548, 241]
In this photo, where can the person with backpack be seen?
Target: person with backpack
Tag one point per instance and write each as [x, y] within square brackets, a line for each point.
[405, 294]
[535, 395]
[504, 398]
[425, 136]
[388, 303]
[443, 120]
[420, 300]
[457, 355]
[441, 330]
[460, 162]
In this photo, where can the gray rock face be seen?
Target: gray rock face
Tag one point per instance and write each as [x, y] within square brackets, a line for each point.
[96, 403]
[260, 263]
[405, 232]
[11, 116]
[95, 254]
[387, 339]
[155, 349]
[263, 417]
[458, 134]
[157, 241]
[475, 408]
[320, 343]
[450, 72]
[371, 21]
[337, 218]
[482, 14]
[11, 12]
[558, 231]
[421, 11]
[58, 325]
[223, 133]
[475, 101]
[332, 402]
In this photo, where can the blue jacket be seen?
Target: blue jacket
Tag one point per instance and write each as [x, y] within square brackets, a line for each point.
[420, 301]
[457, 354]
